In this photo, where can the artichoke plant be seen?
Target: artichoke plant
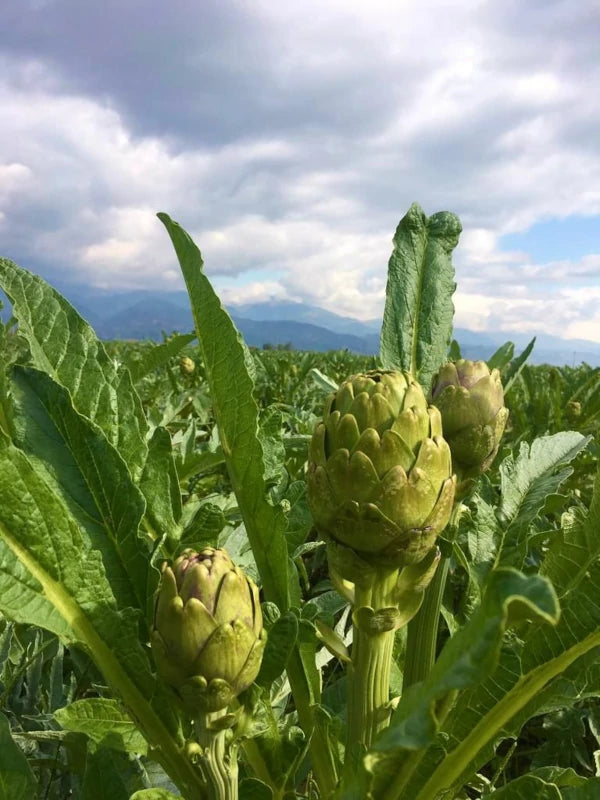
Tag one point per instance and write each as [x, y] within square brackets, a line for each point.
[471, 401]
[208, 637]
[380, 477]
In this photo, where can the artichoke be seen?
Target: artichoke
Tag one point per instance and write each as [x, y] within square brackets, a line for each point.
[380, 477]
[471, 401]
[187, 366]
[208, 637]
[573, 410]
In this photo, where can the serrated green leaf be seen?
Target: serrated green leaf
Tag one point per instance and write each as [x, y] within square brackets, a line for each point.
[559, 775]
[33, 674]
[469, 657]
[56, 694]
[502, 356]
[515, 367]
[105, 721]
[590, 790]
[204, 527]
[5, 643]
[50, 576]
[280, 644]
[90, 475]
[228, 366]
[454, 352]
[554, 667]
[538, 471]
[158, 355]
[299, 522]
[65, 346]
[17, 781]
[230, 376]
[253, 789]
[525, 788]
[575, 547]
[270, 424]
[160, 486]
[154, 794]
[483, 537]
[105, 776]
[417, 321]
[324, 382]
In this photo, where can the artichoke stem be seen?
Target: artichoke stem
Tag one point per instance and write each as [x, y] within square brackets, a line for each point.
[421, 643]
[369, 679]
[218, 761]
[422, 632]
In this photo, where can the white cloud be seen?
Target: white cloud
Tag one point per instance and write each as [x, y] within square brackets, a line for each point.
[314, 133]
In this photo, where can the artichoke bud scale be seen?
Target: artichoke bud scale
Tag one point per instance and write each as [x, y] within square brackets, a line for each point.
[347, 433]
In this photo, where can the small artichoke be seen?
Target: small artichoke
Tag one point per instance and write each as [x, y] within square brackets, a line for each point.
[208, 637]
[380, 477]
[573, 410]
[187, 366]
[471, 401]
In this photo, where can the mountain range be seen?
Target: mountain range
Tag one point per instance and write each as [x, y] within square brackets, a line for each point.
[143, 314]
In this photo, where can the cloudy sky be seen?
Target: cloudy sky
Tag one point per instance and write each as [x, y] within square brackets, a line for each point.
[290, 136]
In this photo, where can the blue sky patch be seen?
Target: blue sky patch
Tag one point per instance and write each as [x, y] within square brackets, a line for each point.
[557, 239]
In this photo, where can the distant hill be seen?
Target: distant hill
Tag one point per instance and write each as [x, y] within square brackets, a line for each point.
[303, 336]
[146, 319]
[141, 314]
[299, 312]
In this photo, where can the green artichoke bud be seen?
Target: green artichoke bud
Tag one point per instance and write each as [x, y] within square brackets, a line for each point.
[573, 410]
[380, 477]
[187, 366]
[208, 637]
[471, 401]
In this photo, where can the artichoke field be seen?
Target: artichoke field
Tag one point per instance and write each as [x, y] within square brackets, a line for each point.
[264, 574]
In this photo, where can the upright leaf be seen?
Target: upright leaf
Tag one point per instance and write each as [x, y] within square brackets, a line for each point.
[229, 367]
[160, 486]
[417, 321]
[502, 356]
[454, 352]
[515, 367]
[229, 372]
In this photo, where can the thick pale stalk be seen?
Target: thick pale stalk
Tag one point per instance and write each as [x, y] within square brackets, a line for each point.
[218, 759]
[422, 633]
[369, 678]
[421, 643]
[321, 755]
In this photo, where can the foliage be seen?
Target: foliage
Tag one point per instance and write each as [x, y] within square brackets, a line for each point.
[115, 457]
